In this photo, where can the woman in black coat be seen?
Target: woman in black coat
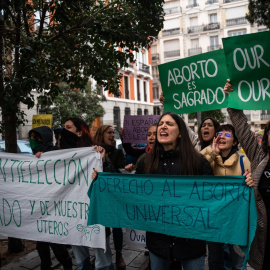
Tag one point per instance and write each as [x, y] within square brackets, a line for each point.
[174, 154]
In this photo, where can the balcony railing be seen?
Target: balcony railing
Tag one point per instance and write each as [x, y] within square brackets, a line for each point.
[172, 53]
[213, 48]
[143, 67]
[194, 51]
[192, 5]
[172, 10]
[265, 116]
[229, 1]
[200, 28]
[155, 56]
[241, 20]
[170, 32]
[209, 2]
[211, 26]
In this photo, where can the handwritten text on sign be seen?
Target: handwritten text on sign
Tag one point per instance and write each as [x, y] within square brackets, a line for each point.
[46, 199]
[248, 61]
[204, 208]
[194, 83]
[136, 127]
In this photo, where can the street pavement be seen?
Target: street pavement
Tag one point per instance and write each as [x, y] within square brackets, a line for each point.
[135, 260]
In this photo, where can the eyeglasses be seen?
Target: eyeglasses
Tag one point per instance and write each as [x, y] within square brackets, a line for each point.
[227, 134]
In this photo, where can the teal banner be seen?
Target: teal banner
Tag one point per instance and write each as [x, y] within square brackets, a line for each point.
[248, 61]
[213, 208]
[195, 83]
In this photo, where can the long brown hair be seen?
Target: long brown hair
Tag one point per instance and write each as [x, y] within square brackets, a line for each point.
[190, 159]
[265, 145]
[99, 136]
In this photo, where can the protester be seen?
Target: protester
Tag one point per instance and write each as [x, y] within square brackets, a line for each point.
[225, 160]
[151, 136]
[41, 140]
[206, 131]
[76, 134]
[169, 156]
[105, 137]
[260, 165]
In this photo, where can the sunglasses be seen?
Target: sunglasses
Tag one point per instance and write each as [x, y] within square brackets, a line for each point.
[227, 134]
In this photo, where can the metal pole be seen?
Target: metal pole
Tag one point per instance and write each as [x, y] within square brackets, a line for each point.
[199, 118]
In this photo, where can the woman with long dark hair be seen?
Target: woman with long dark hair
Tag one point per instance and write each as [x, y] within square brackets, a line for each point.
[260, 166]
[105, 137]
[206, 131]
[174, 154]
[76, 134]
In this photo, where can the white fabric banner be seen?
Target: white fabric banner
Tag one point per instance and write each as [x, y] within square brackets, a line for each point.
[46, 199]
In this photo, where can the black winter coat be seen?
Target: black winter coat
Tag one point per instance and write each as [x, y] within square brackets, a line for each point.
[116, 157]
[166, 246]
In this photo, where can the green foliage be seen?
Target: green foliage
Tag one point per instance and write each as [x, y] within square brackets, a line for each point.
[75, 103]
[259, 12]
[217, 114]
[45, 43]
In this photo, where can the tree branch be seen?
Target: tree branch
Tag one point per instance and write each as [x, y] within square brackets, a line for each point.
[80, 25]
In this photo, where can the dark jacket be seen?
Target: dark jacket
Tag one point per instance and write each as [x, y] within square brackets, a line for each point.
[258, 159]
[166, 246]
[116, 157]
[47, 139]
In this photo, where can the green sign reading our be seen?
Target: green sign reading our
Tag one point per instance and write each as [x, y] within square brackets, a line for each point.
[248, 61]
[195, 83]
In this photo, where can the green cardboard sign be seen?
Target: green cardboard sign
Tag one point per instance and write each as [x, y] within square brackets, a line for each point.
[195, 83]
[248, 62]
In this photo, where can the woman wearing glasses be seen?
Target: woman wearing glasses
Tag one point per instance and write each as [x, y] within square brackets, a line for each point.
[224, 159]
[260, 164]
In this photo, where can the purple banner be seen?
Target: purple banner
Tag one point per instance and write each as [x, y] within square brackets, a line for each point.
[136, 127]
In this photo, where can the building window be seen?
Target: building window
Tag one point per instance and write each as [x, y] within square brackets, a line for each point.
[127, 111]
[139, 111]
[213, 43]
[156, 110]
[145, 91]
[116, 119]
[145, 112]
[237, 33]
[213, 18]
[155, 93]
[126, 87]
[171, 48]
[138, 90]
